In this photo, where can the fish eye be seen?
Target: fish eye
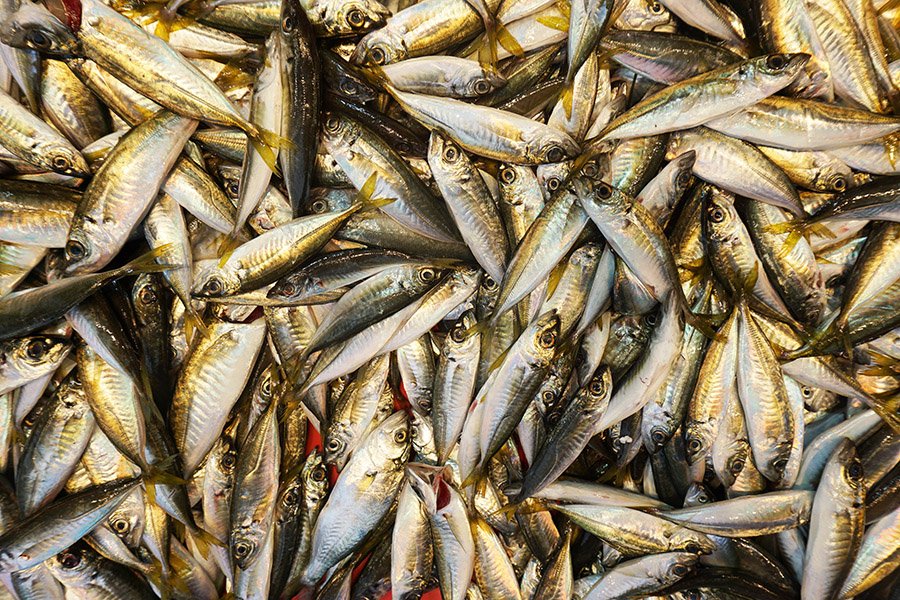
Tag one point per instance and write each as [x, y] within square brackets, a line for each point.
[458, 334]
[39, 40]
[36, 349]
[332, 124]
[120, 526]
[555, 154]
[548, 397]
[591, 169]
[777, 62]
[482, 87]
[779, 465]
[716, 215]
[349, 88]
[229, 459]
[547, 339]
[146, 295]
[318, 474]
[400, 436]
[658, 437]
[213, 287]
[489, 283]
[234, 187]
[695, 445]
[288, 289]
[655, 8]
[679, 570]
[287, 24]
[692, 547]
[597, 387]
[450, 153]
[333, 445]
[683, 180]
[75, 250]
[69, 560]
[737, 465]
[507, 175]
[242, 549]
[266, 387]
[427, 274]
[553, 183]
[839, 183]
[604, 191]
[703, 498]
[378, 56]
[651, 319]
[355, 18]
[855, 471]
[319, 206]
[806, 391]
[291, 497]
[61, 163]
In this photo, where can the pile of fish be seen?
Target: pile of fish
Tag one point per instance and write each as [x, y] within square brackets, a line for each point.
[501, 299]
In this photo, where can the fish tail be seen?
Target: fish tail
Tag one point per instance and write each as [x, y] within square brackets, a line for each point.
[147, 263]
[508, 42]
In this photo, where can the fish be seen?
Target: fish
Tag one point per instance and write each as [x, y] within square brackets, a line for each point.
[501, 299]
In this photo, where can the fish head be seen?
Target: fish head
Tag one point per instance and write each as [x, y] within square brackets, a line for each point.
[720, 218]
[73, 565]
[697, 494]
[691, 541]
[34, 353]
[340, 18]
[337, 448]
[315, 478]
[671, 567]
[127, 520]
[84, 248]
[380, 47]
[444, 155]
[645, 15]
[244, 544]
[36, 28]
[551, 176]
[546, 145]
[216, 282]
[63, 159]
[543, 339]
[780, 69]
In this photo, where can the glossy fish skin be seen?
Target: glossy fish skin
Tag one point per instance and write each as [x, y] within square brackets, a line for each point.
[470, 203]
[771, 512]
[37, 214]
[253, 501]
[875, 200]
[414, 206]
[715, 155]
[210, 383]
[383, 454]
[412, 553]
[490, 132]
[742, 85]
[327, 278]
[803, 124]
[60, 524]
[570, 435]
[763, 397]
[300, 121]
[37, 307]
[836, 524]
[635, 533]
[28, 358]
[454, 384]
[662, 56]
[60, 435]
[34, 141]
[508, 390]
[423, 28]
[876, 558]
[82, 571]
[114, 201]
